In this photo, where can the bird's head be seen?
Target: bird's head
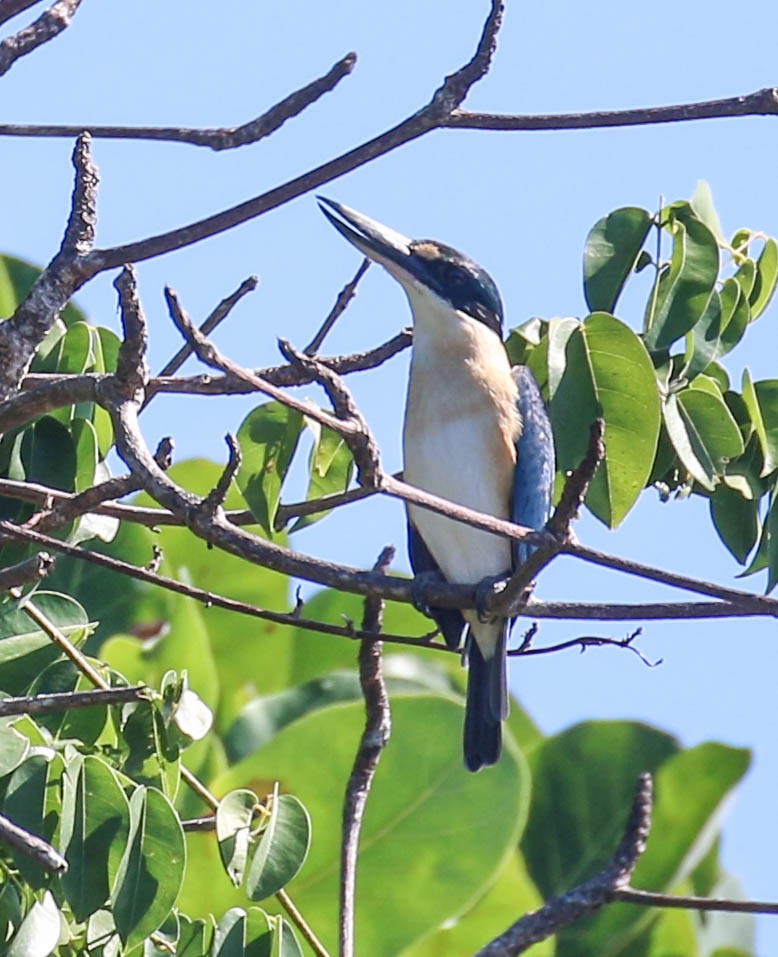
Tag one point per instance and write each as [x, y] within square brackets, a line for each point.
[425, 268]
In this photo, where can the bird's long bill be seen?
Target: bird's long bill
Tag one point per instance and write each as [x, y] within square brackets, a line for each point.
[378, 242]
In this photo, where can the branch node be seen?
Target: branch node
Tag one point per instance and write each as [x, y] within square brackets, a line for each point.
[131, 369]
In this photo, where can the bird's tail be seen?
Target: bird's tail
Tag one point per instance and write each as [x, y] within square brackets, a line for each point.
[487, 701]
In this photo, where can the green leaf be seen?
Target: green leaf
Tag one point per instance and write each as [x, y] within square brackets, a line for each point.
[38, 934]
[703, 208]
[685, 287]
[25, 649]
[736, 520]
[32, 801]
[233, 823]
[511, 894]
[584, 783]
[721, 327]
[13, 749]
[746, 277]
[82, 724]
[285, 943]
[766, 278]
[331, 466]
[48, 454]
[74, 350]
[612, 247]
[608, 373]
[152, 869]
[703, 432]
[766, 393]
[421, 798]
[282, 849]
[195, 937]
[693, 787]
[268, 438]
[771, 532]
[95, 828]
[711, 427]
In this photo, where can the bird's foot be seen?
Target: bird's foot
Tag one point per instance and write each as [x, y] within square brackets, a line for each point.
[485, 591]
[419, 586]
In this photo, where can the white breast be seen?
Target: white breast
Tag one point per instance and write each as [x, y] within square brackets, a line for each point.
[461, 426]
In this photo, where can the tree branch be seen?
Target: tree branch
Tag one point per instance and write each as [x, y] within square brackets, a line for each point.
[48, 25]
[448, 97]
[587, 897]
[32, 846]
[345, 296]
[217, 138]
[65, 701]
[760, 103]
[375, 736]
[21, 335]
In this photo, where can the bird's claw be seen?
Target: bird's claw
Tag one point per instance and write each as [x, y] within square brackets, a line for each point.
[419, 585]
[484, 592]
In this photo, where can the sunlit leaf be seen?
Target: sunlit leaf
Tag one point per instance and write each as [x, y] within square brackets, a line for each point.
[282, 849]
[152, 868]
[94, 835]
[609, 374]
[685, 287]
[612, 247]
[268, 438]
[233, 821]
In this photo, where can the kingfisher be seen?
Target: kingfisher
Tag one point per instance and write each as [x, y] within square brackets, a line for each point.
[477, 433]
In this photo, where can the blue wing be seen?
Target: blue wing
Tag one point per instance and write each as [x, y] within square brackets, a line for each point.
[449, 620]
[535, 465]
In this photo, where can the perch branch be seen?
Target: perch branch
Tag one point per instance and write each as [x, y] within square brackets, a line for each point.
[32, 846]
[375, 736]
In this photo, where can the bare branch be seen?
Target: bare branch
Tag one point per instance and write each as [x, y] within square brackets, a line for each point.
[359, 438]
[375, 736]
[47, 392]
[429, 117]
[65, 701]
[587, 897]
[215, 498]
[26, 572]
[345, 296]
[32, 846]
[577, 484]
[131, 369]
[10, 8]
[48, 25]
[218, 315]
[760, 103]
[629, 895]
[21, 335]
[217, 138]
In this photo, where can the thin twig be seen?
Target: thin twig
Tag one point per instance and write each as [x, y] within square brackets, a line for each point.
[358, 438]
[375, 736]
[32, 846]
[760, 103]
[302, 925]
[629, 895]
[65, 701]
[216, 317]
[21, 335]
[48, 25]
[217, 138]
[46, 392]
[432, 116]
[345, 296]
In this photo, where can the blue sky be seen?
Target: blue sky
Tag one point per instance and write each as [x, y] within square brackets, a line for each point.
[519, 203]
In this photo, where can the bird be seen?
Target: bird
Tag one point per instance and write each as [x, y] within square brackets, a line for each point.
[476, 432]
